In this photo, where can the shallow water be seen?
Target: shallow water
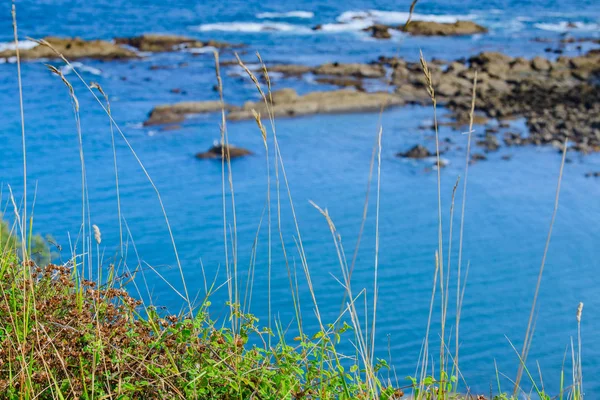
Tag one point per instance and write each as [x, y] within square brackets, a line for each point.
[509, 203]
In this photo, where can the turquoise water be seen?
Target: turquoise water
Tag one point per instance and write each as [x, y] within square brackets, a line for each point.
[509, 203]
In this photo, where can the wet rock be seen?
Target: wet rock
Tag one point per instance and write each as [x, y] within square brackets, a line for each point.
[431, 28]
[174, 113]
[163, 43]
[417, 151]
[489, 143]
[379, 31]
[477, 157]
[355, 69]
[223, 151]
[288, 104]
[73, 49]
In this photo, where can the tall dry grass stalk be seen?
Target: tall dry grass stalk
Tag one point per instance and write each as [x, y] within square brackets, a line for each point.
[578, 367]
[462, 224]
[84, 202]
[530, 324]
[24, 148]
[376, 262]
[97, 86]
[232, 276]
[263, 132]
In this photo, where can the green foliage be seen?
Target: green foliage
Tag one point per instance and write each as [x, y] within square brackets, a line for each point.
[63, 339]
[37, 247]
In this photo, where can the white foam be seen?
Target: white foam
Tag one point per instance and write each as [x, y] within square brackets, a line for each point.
[289, 14]
[67, 69]
[251, 27]
[565, 26]
[398, 17]
[23, 45]
[201, 50]
[359, 20]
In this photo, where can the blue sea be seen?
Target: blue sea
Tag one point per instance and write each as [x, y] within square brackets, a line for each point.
[509, 203]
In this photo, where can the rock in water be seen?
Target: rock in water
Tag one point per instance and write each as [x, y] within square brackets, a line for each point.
[286, 103]
[173, 113]
[379, 31]
[217, 151]
[73, 49]
[431, 28]
[417, 151]
[162, 43]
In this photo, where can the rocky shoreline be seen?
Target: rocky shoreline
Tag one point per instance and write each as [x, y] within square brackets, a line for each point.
[119, 48]
[557, 99]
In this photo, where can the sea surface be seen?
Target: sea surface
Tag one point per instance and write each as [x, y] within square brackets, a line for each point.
[509, 203]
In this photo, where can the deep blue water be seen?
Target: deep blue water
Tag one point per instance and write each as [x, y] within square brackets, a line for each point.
[509, 203]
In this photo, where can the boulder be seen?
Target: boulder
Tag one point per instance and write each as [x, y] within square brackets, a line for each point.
[174, 113]
[218, 151]
[540, 64]
[379, 31]
[73, 49]
[417, 151]
[431, 28]
[477, 157]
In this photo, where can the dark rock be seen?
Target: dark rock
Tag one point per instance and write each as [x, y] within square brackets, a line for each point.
[379, 31]
[226, 151]
[417, 151]
[477, 157]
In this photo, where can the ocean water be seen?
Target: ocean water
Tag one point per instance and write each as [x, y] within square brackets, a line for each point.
[508, 207]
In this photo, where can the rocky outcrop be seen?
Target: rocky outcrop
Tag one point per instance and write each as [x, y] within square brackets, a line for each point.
[223, 151]
[73, 49]
[287, 103]
[174, 113]
[163, 43]
[379, 31]
[431, 28]
[417, 151]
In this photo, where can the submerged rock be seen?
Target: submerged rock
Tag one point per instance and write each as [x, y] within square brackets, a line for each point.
[174, 113]
[228, 151]
[287, 103]
[72, 49]
[417, 151]
[431, 28]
